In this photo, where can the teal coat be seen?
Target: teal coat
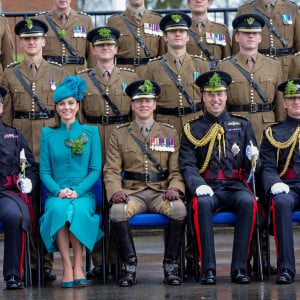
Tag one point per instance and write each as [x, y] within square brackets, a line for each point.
[58, 170]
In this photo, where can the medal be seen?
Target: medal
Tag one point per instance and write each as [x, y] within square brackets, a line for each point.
[52, 84]
[235, 149]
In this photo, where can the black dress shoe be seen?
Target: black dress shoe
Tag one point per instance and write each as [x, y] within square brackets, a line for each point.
[239, 276]
[285, 277]
[13, 283]
[171, 273]
[96, 272]
[209, 277]
[128, 279]
[49, 275]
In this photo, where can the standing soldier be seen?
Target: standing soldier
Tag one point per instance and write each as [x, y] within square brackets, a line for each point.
[66, 41]
[281, 35]
[141, 37]
[6, 45]
[208, 39]
[29, 103]
[176, 72]
[294, 71]
[105, 103]
[253, 92]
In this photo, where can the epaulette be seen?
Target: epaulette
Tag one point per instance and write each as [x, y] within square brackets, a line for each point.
[156, 58]
[291, 2]
[154, 13]
[12, 64]
[166, 124]
[84, 71]
[55, 63]
[226, 58]
[127, 69]
[41, 13]
[198, 56]
[82, 13]
[274, 124]
[238, 116]
[123, 125]
[222, 24]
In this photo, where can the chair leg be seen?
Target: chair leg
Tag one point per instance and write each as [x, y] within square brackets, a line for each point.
[103, 261]
[27, 262]
[40, 260]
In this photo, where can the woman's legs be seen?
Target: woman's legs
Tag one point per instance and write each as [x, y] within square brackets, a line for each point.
[77, 250]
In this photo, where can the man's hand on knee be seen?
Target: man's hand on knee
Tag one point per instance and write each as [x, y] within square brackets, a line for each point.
[172, 194]
[119, 197]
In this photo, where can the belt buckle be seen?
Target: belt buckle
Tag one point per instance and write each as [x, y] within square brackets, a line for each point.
[181, 111]
[147, 177]
[64, 59]
[31, 115]
[104, 119]
[136, 61]
[272, 51]
[253, 107]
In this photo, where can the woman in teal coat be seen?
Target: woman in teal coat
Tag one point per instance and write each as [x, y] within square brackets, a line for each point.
[70, 164]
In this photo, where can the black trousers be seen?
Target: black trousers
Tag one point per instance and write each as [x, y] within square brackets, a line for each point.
[10, 215]
[243, 204]
[282, 206]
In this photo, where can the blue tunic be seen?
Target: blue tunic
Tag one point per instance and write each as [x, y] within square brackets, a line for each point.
[60, 169]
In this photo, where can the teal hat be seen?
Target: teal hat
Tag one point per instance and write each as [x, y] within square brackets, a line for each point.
[72, 86]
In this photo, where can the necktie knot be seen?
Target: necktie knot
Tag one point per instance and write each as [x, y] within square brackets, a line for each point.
[33, 70]
[63, 19]
[250, 63]
[145, 131]
[106, 75]
[137, 17]
[177, 64]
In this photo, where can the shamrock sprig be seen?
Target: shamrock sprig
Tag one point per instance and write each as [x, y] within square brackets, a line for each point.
[61, 33]
[146, 87]
[77, 146]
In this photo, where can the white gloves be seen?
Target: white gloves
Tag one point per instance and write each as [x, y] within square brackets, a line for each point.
[279, 187]
[25, 185]
[204, 190]
[252, 151]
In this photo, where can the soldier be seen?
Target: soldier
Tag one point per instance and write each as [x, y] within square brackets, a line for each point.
[253, 92]
[176, 71]
[15, 199]
[215, 174]
[281, 35]
[280, 160]
[294, 71]
[6, 44]
[140, 36]
[66, 41]
[209, 40]
[106, 103]
[29, 103]
[147, 152]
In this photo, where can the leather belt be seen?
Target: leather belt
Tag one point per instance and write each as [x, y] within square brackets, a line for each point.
[272, 51]
[76, 60]
[179, 111]
[252, 107]
[236, 174]
[106, 119]
[135, 61]
[147, 177]
[33, 115]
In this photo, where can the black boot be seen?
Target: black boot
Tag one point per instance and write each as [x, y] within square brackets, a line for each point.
[174, 237]
[127, 252]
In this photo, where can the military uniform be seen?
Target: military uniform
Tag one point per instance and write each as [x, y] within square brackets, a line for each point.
[243, 98]
[172, 106]
[96, 109]
[130, 52]
[294, 71]
[216, 39]
[6, 44]
[75, 29]
[20, 110]
[286, 19]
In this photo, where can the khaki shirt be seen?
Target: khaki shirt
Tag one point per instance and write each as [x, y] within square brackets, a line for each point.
[95, 105]
[129, 47]
[267, 74]
[124, 154]
[294, 71]
[6, 45]
[55, 47]
[216, 39]
[170, 96]
[18, 99]
[290, 32]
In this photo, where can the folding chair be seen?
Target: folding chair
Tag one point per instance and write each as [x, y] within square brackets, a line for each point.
[98, 191]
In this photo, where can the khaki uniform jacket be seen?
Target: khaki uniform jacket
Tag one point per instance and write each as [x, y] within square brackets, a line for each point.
[290, 32]
[95, 105]
[129, 47]
[217, 50]
[82, 46]
[124, 154]
[6, 45]
[170, 96]
[18, 99]
[294, 71]
[267, 74]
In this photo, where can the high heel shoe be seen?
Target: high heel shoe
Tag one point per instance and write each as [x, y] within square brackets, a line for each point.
[67, 284]
[80, 282]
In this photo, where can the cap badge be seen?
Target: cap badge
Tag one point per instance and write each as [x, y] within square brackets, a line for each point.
[146, 87]
[250, 21]
[290, 88]
[29, 24]
[214, 81]
[104, 32]
[176, 18]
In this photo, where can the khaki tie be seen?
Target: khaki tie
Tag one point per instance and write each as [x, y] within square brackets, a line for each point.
[269, 7]
[33, 70]
[177, 64]
[106, 76]
[145, 131]
[63, 19]
[200, 27]
[250, 63]
[137, 17]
